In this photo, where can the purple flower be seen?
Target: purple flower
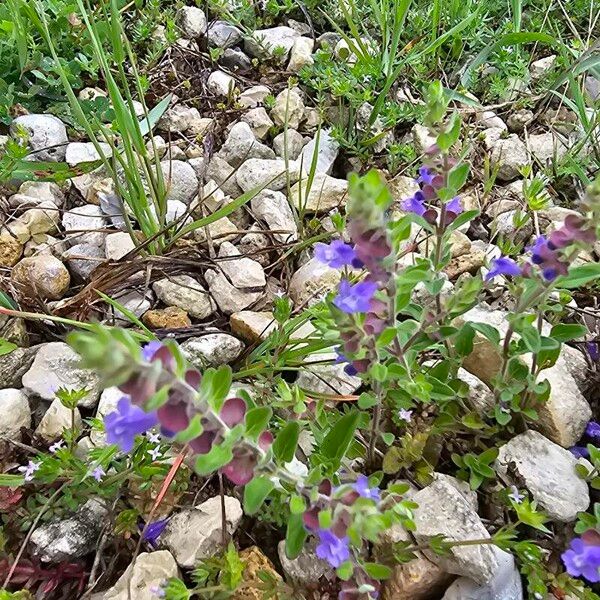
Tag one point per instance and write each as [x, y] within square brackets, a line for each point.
[338, 254]
[405, 415]
[98, 473]
[333, 549]
[592, 430]
[154, 530]
[515, 495]
[454, 206]
[414, 204]
[355, 298]
[579, 451]
[503, 266]
[583, 560]
[54, 448]
[362, 488]
[126, 422]
[350, 369]
[150, 349]
[593, 349]
[29, 470]
[425, 176]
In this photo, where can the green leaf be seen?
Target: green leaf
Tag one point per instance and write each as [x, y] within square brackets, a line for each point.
[7, 302]
[215, 386]
[579, 276]
[366, 401]
[377, 571]
[491, 333]
[284, 446]
[192, 431]
[388, 438]
[6, 347]
[11, 480]
[338, 440]
[158, 399]
[257, 420]
[458, 176]
[295, 536]
[531, 338]
[463, 341]
[565, 332]
[463, 218]
[218, 456]
[256, 492]
[297, 505]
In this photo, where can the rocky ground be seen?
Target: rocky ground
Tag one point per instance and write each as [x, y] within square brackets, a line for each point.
[213, 292]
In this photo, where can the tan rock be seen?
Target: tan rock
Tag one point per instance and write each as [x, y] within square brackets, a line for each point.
[252, 326]
[460, 244]
[252, 586]
[44, 275]
[311, 280]
[325, 193]
[11, 250]
[171, 317]
[465, 263]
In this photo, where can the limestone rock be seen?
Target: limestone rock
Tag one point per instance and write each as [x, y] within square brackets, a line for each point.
[252, 326]
[108, 403]
[311, 280]
[56, 365]
[192, 21]
[241, 145]
[470, 262]
[253, 96]
[243, 272]
[14, 365]
[117, 245]
[288, 109]
[229, 298]
[44, 275]
[301, 54]
[288, 144]
[325, 193]
[186, 293]
[220, 83]
[326, 148]
[548, 472]
[181, 180]
[270, 174]
[219, 231]
[195, 533]
[221, 34]
[274, 209]
[326, 379]
[306, 569]
[444, 511]
[256, 562]
[212, 350]
[46, 135]
[259, 121]
[70, 538]
[82, 225]
[142, 578]
[82, 152]
[83, 259]
[508, 155]
[14, 413]
[55, 420]
[263, 41]
[11, 249]
[171, 317]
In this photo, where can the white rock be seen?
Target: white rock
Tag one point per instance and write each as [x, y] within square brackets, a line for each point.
[542, 66]
[301, 54]
[221, 34]
[134, 301]
[263, 41]
[259, 122]
[181, 119]
[288, 144]
[186, 293]
[312, 280]
[141, 579]
[306, 569]
[220, 83]
[548, 472]
[117, 245]
[325, 193]
[241, 145]
[70, 538]
[46, 134]
[37, 192]
[212, 350]
[506, 584]
[288, 109]
[192, 21]
[81, 152]
[55, 366]
[547, 147]
[243, 272]
[83, 259]
[82, 225]
[181, 180]
[442, 510]
[253, 96]
[488, 118]
[422, 138]
[327, 151]
[55, 420]
[327, 379]
[14, 413]
[270, 174]
[194, 534]
[229, 298]
[508, 155]
[274, 209]
[220, 231]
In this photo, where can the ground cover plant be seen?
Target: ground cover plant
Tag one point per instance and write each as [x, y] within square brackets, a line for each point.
[299, 300]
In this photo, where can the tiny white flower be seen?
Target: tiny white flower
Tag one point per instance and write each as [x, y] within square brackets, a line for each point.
[155, 452]
[405, 415]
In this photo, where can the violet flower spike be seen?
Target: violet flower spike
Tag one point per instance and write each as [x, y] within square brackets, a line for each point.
[593, 349]
[582, 560]
[455, 206]
[356, 298]
[361, 487]
[150, 349]
[126, 422]
[503, 266]
[98, 473]
[154, 530]
[592, 430]
[414, 204]
[425, 176]
[579, 451]
[336, 255]
[332, 549]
